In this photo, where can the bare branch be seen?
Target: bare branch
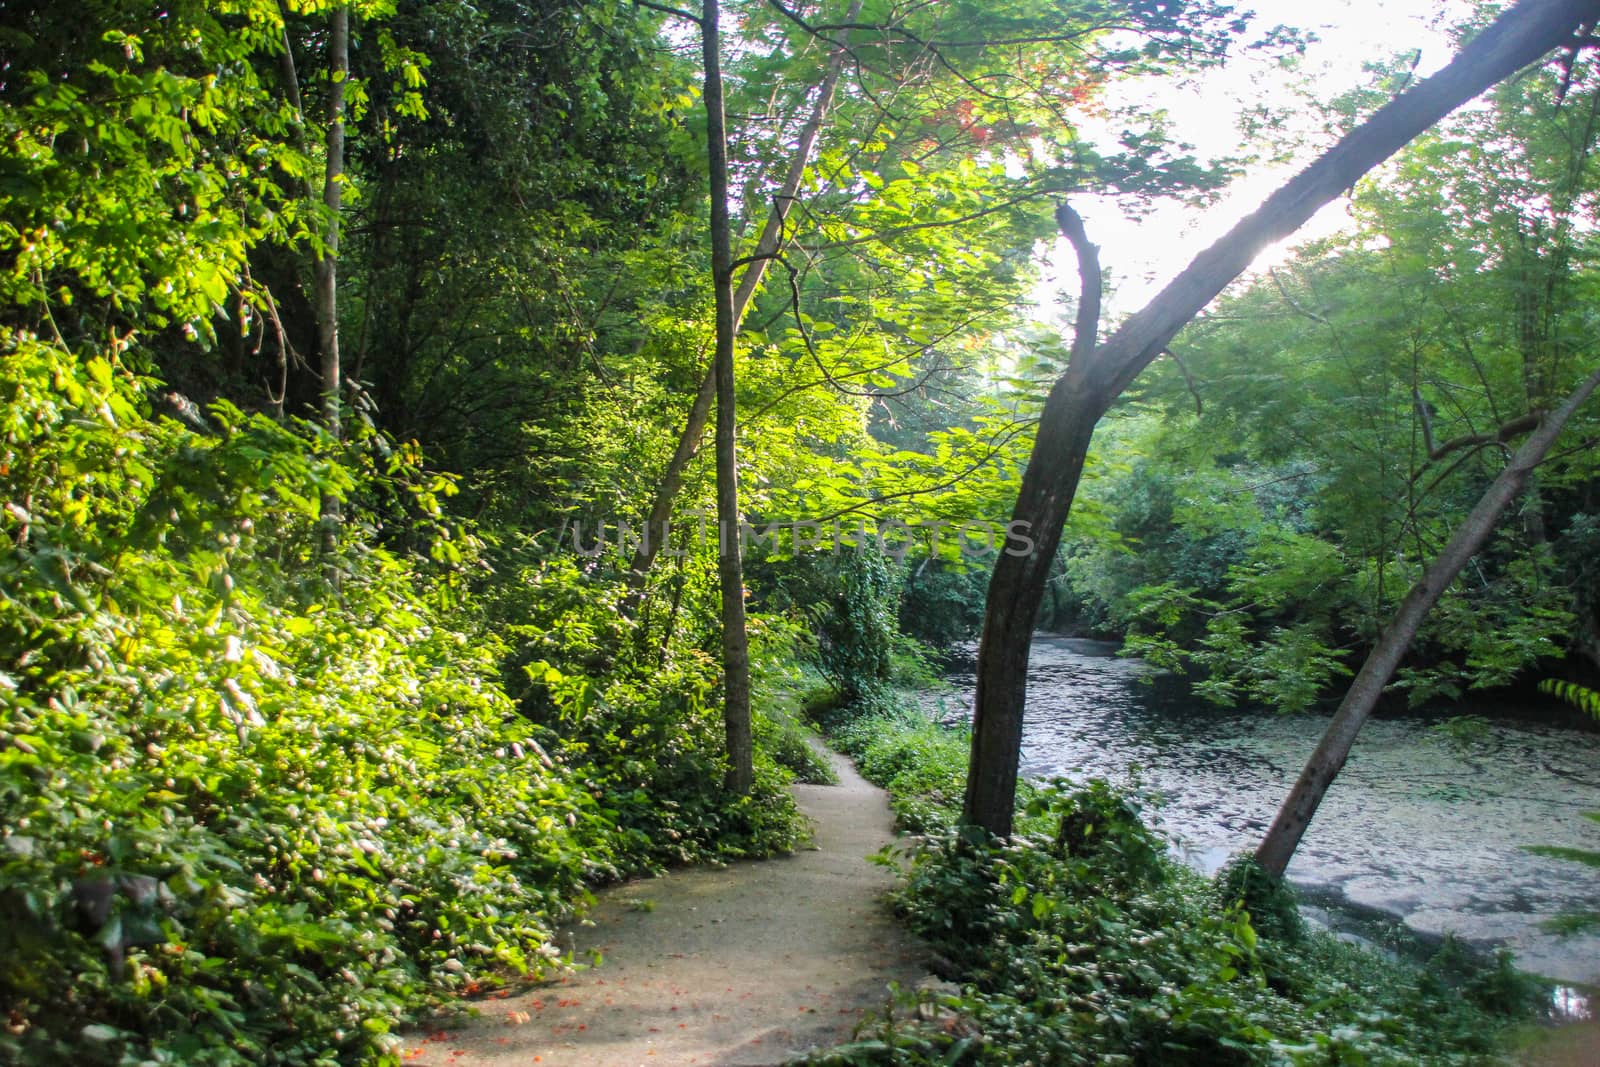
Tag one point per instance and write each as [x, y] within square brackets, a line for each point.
[913, 227]
[1188, 380]
[666, 10]
[828, 375]
[1299, 308]
[1515, 428]
[1086, 330]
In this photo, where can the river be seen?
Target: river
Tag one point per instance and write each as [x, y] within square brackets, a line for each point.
[1416, 827]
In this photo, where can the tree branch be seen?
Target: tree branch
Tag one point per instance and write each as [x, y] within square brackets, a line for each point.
[1086, 330]
[999, 442]
[1295, 305]
[666, 10]
[1515, 428]
[1518, 38]
[913, 227]
[1188, 380]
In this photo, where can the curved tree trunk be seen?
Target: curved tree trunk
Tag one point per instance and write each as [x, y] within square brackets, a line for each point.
[1279, 845]
[1015, 591]
[1097, 375]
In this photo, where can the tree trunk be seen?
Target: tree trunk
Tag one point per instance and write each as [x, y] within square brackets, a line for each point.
[327, 270]
[656, 526]
[1017, 585]
[1279, 845]
[1097, 375]
[1015, 591]
[1587, 640]
[730, 566]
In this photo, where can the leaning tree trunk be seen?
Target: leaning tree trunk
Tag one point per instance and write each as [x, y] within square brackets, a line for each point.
[1278, 847]
[1017, 586]
[1095, 376]
[327, 271]
[656, 526]
[730, 567]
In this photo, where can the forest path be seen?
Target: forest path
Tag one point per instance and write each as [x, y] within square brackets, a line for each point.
[746, 964]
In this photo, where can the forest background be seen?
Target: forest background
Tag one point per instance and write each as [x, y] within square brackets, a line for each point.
[331, 332]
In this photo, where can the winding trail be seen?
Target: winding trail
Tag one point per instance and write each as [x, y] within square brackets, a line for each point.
[746, 964]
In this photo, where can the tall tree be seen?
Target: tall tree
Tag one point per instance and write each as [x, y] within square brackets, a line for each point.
[767, 247]
[1098, 373]
[730, 566]
[327, 265]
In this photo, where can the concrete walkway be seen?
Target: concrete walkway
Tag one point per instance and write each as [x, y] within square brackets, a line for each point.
[748, 964]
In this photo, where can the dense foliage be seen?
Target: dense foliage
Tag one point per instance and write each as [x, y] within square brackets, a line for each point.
[261, 805]
[249, 822]
[1283, 481]
[307, 722]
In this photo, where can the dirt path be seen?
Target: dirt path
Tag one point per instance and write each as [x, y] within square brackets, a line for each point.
[743, 965]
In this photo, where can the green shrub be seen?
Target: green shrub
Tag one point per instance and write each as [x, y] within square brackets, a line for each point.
[640, 706]
[654, 757]
[942, 603]
[1268, 899]
[1081, 942]
[1457, 975]
[848, 599]
[240, 816]
[922, 764]
[1099, 826]
[245, 820]
[790, 746]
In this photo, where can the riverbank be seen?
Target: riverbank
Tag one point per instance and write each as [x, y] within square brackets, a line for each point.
[1426, 824]
[1083, 941]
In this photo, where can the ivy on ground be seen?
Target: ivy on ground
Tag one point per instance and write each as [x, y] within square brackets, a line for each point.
[1080, 941]
[244, 820]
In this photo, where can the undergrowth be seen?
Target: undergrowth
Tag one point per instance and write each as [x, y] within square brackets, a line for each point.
[1080, 941]
[250, 818]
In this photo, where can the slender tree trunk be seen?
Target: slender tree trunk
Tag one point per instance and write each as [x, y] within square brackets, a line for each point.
[730, 566]
[1097, 375]
[656, 526]
[327, 270]
[1278, 847]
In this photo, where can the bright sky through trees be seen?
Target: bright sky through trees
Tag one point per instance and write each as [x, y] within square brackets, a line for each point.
[1142, 254]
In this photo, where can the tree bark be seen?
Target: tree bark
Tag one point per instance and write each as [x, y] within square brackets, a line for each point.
[1095, 376]
[1279, 845]
[1587, 640]
[327, 270]
[730, 565]
[656, 526]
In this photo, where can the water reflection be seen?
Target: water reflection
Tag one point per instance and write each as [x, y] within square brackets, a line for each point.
[1415, 828]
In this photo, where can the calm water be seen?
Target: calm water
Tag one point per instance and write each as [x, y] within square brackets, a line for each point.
[1414, 827]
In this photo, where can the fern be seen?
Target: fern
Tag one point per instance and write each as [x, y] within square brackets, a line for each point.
[1581, 697]
[1575, 855]
[1585, 700]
